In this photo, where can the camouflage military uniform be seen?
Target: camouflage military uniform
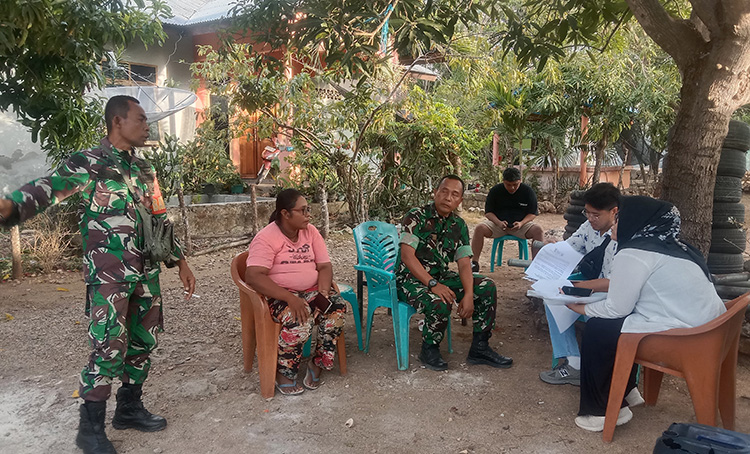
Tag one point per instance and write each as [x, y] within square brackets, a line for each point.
[123, 295]
[437, 241]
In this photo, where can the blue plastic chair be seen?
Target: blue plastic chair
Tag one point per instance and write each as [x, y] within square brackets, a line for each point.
[497, 248]
[346, 292]
[377, 256]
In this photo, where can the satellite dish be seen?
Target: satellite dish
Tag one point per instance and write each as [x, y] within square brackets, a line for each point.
[158, 102]
[21, 160]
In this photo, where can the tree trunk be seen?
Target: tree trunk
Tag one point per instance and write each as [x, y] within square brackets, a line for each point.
[644, 175]
[555, 173]
[188, 246]
[713, 55]
[690, 172]
[520, 156]
[624, 163]
[254, 207]
[323, 193]
[15, 251]
[353, 192]
[599, 156]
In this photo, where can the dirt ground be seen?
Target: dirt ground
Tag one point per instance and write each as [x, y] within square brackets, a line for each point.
[198, 384]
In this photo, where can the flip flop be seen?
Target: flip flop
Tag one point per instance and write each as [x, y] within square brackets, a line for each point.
[315, 380]
[287, 389]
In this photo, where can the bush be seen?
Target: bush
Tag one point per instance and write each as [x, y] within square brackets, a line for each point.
[49, 247]
[206, 161]
[166, 159]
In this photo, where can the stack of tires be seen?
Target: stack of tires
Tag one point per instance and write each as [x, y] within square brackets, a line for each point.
[727, 235]
[574, 214]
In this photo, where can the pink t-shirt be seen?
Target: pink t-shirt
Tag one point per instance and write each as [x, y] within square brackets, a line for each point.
[291, 265]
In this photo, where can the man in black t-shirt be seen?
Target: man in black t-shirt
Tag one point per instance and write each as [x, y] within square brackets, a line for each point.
[510, 209]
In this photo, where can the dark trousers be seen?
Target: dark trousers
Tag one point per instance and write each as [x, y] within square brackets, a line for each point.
[598, 350]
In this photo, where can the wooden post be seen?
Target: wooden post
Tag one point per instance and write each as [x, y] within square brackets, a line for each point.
[254, 205]
[324, 210]
[15, 248]
[188, 246]
[495, 149]
[583, 177]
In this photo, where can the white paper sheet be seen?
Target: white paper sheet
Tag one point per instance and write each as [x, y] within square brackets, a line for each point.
[563, 316]
[554, 261]
[549, 290]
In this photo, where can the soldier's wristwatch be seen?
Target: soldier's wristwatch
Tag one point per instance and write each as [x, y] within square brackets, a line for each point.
[432, 283]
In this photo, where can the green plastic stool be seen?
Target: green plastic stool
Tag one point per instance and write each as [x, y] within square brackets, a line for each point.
[497, 249]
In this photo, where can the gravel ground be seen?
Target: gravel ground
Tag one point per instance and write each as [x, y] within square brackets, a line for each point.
[198, 384]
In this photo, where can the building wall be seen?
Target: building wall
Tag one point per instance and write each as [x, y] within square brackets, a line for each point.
[172, 61]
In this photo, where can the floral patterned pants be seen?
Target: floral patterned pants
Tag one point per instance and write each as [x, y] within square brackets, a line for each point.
[293, 335]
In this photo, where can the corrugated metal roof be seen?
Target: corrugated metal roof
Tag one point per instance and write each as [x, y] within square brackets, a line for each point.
[191, 12]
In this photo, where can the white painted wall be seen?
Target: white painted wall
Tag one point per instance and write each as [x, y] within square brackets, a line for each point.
[172, 61]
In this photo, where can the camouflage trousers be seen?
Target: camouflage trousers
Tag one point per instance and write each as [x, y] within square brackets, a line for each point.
[124, 320]
[437, 312]
[293, 335]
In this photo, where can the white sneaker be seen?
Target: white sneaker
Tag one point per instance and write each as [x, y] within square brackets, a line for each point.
[634, 398]
[596, 423]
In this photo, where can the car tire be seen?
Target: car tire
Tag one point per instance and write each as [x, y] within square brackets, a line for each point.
[738, 136]
[728, 241]
[728, 215]
[725, 263]
[732, 163]
[574, 218]
[728, 189]
[577, 195]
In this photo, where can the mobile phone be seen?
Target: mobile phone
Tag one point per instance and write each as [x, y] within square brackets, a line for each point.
[576, 291]
[321, 303]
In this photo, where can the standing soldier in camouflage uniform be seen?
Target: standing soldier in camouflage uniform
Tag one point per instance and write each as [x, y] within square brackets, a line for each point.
[433, 236]
[123, 297]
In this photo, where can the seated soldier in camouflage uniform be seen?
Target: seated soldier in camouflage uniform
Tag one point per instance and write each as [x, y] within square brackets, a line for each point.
[432, 236]
[123, 296]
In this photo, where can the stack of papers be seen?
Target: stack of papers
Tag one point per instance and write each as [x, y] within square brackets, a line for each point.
[554, 261]
[550, 270]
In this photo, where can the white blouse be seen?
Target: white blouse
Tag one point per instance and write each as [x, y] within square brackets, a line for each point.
[657, 292]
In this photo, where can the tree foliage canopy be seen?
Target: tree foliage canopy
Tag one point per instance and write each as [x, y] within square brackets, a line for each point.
[51, 52]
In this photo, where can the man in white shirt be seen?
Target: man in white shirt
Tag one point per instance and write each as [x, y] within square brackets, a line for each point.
[600, 208]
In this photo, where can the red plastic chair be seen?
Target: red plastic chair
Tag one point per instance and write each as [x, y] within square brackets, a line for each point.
[260, 332]
[705, 356]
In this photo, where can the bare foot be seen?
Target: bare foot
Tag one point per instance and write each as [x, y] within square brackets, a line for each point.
[287, 386]
[312, 377]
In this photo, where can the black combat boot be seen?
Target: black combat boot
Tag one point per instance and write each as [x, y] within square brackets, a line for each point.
[91, 436]
[430, 357]
[130, 413]
[481, 353]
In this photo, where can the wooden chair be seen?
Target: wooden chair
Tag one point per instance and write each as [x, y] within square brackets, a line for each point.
[260, 332]
[705, 356]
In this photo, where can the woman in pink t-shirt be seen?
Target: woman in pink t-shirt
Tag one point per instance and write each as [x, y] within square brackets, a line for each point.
[288, 263]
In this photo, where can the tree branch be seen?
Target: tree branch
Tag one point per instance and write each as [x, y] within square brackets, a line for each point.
[385, 102]
[678, 38]
[371, 35]
[309, 136]
[704, 14]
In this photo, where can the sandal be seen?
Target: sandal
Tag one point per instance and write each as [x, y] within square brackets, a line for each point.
[314, 382]
[288, 389]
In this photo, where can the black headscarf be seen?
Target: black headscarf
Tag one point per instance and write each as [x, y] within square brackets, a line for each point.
[654, 225]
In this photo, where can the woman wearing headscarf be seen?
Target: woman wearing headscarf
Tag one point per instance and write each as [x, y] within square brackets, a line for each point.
[288, 263]
[658, 282]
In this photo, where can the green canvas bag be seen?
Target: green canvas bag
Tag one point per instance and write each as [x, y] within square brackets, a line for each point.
[157, 233]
